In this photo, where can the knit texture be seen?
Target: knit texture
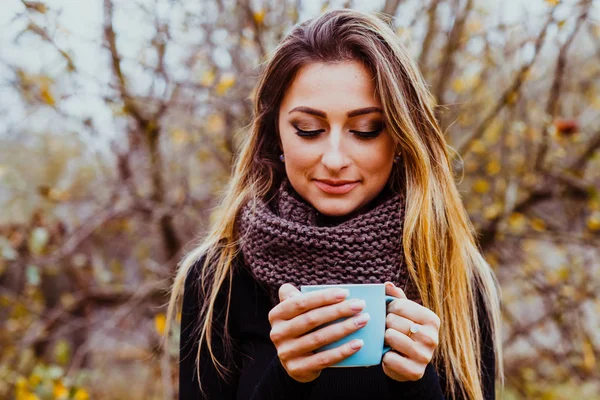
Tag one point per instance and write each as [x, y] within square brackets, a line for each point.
[288, 241]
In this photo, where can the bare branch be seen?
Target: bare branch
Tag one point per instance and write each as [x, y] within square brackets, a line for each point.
[508, 94]
[553, 98]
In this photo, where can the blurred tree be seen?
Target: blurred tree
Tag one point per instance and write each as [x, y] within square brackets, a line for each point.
[141, 110]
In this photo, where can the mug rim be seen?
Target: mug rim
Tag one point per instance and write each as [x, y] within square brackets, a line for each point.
[344, 284]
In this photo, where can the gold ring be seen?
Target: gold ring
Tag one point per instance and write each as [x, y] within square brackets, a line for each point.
[414, 328]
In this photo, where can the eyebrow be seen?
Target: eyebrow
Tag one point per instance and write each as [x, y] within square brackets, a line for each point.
[350, 114]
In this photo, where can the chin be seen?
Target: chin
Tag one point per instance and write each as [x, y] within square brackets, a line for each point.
[336, 207]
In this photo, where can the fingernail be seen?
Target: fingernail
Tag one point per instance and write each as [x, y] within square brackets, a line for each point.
[357, 305]
[362, 319]
[341, 294]
[356, 344]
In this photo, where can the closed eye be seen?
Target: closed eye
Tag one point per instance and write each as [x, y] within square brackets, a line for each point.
[304, 133]
[367, 134]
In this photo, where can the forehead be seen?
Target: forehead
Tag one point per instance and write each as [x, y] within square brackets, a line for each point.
[344, 86]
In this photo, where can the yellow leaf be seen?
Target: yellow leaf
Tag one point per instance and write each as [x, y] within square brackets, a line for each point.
[478, 147]
[492, 211]
[60, 391]
[27, 396]
[593, 222]
[553, 2]
[215, 124]
[160, 323]
[47, 96]
[493, 167]
[36, 6]
[21, 383]
[208, 78]
[179, 137]
[259, 17]
[589, 356]
[493, 132]
[458, 85]
[34, 380]
[58, 195]
[517, 222]
[81, 394]
[226, 82]
[538, 224]
[62, 352]
[481, 186]
[178, 318]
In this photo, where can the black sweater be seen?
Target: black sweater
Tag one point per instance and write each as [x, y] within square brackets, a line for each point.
[259, 374]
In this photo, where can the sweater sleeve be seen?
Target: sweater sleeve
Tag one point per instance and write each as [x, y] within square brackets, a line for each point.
[276, 384]
[430, 386]
[213, 385]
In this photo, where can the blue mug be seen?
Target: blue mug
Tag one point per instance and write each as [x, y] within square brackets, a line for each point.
[371, 334]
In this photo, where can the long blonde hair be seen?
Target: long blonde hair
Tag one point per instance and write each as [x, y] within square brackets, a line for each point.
[438, 240]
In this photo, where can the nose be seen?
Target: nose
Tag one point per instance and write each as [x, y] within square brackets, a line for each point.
[334, 157]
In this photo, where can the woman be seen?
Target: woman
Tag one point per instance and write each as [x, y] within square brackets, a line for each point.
[344, 177]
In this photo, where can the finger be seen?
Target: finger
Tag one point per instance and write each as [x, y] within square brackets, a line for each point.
[287, 291]
[327, 358]
[408, 347]
[402, 368]
[304, 302]
[395, 321]
[395, 291]
[426, 335]
[312, 319]
[321, 337]
[414, 312]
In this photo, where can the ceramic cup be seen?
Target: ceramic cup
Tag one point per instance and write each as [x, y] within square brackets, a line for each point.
[371, 334]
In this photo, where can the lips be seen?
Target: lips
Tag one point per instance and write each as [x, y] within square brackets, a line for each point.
[335, 187]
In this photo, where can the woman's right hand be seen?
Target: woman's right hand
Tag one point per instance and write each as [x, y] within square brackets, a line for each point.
[293, 319]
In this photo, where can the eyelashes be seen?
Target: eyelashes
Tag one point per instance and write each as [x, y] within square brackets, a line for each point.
[360, 134]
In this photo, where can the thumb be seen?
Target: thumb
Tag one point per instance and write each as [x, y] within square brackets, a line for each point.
[287, 290]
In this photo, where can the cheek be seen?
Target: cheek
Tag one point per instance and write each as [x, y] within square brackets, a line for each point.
[378, 161]
[299, 154]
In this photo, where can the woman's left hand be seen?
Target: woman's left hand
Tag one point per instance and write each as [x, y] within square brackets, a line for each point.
[411, 351]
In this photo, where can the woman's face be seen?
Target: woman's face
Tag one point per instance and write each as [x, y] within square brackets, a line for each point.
[338, 153]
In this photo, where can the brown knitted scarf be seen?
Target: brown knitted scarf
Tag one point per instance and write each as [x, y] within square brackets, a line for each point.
[287, 240]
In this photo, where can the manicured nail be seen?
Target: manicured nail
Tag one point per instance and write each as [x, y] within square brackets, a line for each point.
[356, 344]
[341, 294]
[357, 305]
[362, 319]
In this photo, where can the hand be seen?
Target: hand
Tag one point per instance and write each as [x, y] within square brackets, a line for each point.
[298, 314]
[412, 351]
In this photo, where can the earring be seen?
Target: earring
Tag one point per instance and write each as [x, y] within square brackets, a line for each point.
[281, 158]
[397, 159]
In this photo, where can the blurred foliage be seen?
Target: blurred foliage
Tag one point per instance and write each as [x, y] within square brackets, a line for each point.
[117, 139]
